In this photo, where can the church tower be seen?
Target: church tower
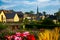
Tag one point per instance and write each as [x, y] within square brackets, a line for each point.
[37, 10]
[37, 13]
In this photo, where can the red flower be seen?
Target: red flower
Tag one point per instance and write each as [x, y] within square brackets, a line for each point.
[30, 37]
[12, 37]
[22, 35]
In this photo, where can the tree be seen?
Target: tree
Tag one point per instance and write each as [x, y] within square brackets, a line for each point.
[48, 24]
[25, 21]
[57, 14]
[27, 13]
[47, 21]
[44, 13]
[31, 12]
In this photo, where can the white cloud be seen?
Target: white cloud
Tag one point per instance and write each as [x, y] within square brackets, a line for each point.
[41, 4]
[7, 1]
[6, 6]
[55, 2]
[28, 2]
[43, 0]
[51, 3]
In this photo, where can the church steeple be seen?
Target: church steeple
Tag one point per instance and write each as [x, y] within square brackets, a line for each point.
[37, 13]
[37, 9]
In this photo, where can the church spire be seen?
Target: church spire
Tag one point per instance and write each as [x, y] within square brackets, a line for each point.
[37, 9]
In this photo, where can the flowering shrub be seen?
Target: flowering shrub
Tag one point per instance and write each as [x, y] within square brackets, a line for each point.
[20, 36]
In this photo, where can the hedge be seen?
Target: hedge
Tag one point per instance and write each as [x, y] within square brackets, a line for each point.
[39, 26]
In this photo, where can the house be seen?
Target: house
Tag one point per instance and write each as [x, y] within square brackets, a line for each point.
[30, 16]
[40, 16]
[2, 17]
[34, 17]
[11, 17]
[20, 15]
[52, 17]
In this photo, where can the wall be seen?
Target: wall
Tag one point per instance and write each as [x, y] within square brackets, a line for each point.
[4, 17]
[10, 20]
[16, 18]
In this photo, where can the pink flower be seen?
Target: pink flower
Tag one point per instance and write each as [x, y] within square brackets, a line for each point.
[18, 38]
[26, 33]
[18, 34]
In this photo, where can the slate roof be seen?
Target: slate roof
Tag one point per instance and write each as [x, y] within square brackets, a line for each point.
[52, 17]
[10, 15]
[20, 14]
[39, 14]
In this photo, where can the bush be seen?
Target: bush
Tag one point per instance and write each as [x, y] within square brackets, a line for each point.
[29, 26]
[39, 26]
[2, 36]
[46, 26]
[2, 26]
[48, 22]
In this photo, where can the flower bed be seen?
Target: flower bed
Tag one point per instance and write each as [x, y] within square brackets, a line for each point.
[20, 36]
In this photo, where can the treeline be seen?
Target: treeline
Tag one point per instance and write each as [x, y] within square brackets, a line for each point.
[46, 24]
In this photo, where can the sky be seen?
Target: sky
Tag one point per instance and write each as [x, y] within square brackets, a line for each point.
[50, 6]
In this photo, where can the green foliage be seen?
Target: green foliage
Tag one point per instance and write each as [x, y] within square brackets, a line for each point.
[31, 12]
[58, 24]
[26, 21]
[57, 13]
[44, 13]
[2, 35]
[10, 33]
[39, 26]
[20, 27]
[2, 26]
[27, 13]
[29, 26]
[33, 22]
[47, 22]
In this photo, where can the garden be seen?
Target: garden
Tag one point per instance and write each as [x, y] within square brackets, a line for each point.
[35, 30]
